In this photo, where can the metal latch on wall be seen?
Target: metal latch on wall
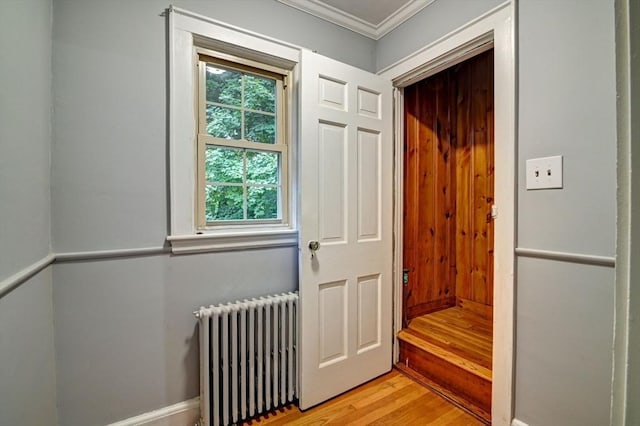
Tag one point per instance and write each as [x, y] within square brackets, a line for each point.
[405, 277]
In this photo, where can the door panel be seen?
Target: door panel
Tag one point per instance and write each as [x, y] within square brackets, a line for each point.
[448, 188]
[332, 319]
[369, 318]
[369, 185]
[332, 211]
[346, 157]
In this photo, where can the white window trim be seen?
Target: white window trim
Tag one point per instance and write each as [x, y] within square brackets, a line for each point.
[186, 31]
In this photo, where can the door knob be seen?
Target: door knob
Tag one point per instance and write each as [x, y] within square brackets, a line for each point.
[314, 246]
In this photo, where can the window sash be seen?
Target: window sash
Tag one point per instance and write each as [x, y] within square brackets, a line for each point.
[240, 108]
[204, 140]
[246, 185]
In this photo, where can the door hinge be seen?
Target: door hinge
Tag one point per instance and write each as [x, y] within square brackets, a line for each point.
[494, 211]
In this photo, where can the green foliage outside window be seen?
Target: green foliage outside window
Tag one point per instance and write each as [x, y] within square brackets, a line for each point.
[242, 184]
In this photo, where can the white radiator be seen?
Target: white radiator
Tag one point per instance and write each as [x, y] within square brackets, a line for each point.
[248, 363]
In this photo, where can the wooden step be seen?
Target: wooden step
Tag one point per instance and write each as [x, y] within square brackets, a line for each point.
[464, 334]
[414, 339]
[456, 368]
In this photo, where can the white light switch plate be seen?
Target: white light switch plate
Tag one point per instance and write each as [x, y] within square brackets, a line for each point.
[544, 173]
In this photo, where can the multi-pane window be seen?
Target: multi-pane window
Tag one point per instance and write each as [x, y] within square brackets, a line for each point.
[242, 150]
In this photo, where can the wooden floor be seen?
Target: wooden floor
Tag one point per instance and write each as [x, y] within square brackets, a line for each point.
[392, 399]
[459, 331]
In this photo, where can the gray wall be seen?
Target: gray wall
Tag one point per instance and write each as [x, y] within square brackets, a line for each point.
[125, 336]
[567, 106]
[563, 343]
[25, 133]
[27, 358]
[27, 375]
[427, 26]
[125, 333]
[564, 310]
[126, 339]
[109, 152]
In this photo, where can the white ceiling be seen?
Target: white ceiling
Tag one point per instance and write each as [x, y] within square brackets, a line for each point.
[372, 18]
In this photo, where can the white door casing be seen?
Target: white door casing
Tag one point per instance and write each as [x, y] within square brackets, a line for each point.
[346, 158]
[496, 26]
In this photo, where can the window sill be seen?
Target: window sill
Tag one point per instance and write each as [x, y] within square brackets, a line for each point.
[228, 240]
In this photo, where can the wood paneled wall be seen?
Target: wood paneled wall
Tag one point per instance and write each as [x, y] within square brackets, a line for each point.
[429, 196]
[448, 188]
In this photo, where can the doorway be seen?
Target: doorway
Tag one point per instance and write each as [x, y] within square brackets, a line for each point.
[446, 339]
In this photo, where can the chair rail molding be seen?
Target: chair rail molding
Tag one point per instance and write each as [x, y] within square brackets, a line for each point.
[12, 282]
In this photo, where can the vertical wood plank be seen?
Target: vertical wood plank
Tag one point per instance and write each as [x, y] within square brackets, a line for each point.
[482, 113]
[441, 162]
[423, 285]
[428, 196]
[463, 190]
[478, 183]
[452, 190]
[410, 207]
[491, 177]
[475, 166]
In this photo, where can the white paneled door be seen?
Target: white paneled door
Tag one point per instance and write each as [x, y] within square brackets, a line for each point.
[346, 156]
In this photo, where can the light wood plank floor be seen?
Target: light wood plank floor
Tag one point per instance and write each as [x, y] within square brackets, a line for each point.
[460, 331]
[392, 399]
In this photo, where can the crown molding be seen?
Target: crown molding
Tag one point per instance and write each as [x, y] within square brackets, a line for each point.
[332, 14]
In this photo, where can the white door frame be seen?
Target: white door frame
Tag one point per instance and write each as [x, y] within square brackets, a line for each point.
[494, 29]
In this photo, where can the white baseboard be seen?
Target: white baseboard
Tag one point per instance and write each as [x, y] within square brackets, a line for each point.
[185, 413]
[517, 422]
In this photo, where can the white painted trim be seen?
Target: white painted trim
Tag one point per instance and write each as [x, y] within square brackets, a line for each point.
[400, 16]
[517, 422]
[346, 20]
[450, 58]
[185, 413]
[398, 213]
[13, 281]
[445, 45]
[586, 259]
[233, 32]
[498, 23]
[186, 30]
[183, 244]
[109, 254]
[627, 211]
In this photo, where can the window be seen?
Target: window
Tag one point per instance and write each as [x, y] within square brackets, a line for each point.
[242, 146]
[231, 176]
